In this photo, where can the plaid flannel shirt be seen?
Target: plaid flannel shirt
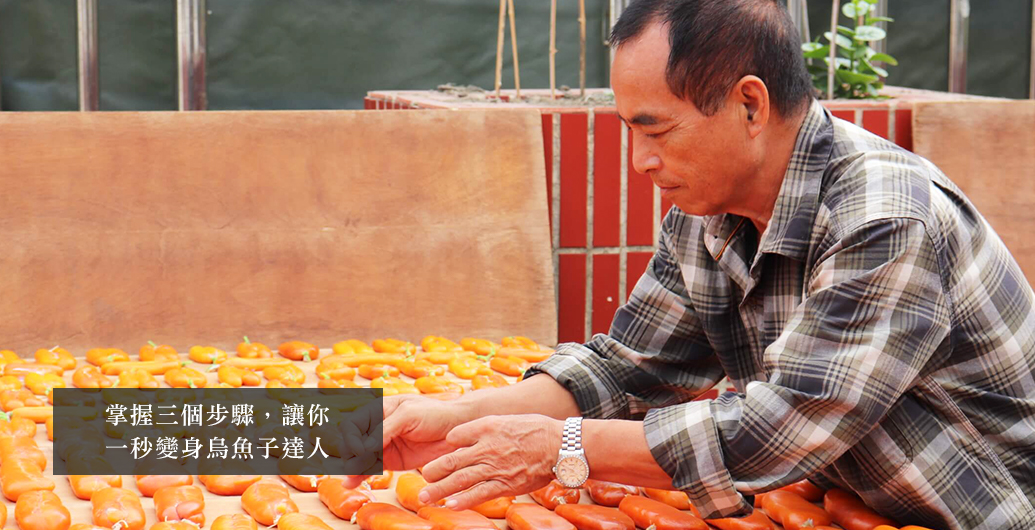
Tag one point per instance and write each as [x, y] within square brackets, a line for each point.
[880, 336]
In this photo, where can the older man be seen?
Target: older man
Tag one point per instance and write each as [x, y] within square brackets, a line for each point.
[879, 334]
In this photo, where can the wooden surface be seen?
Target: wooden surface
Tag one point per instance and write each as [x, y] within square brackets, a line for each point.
[988, 150]
[123, 227]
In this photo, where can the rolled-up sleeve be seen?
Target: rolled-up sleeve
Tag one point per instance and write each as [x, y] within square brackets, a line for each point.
[875, 313]
[654, 355]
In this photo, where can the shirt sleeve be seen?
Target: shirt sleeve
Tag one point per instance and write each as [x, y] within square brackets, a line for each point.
[874, 314]
[654, 355]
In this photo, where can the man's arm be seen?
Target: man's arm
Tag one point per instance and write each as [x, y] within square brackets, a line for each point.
[875, 315]
[656, 353]
[536, 395]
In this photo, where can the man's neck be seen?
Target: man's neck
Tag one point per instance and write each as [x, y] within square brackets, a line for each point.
[770, 173]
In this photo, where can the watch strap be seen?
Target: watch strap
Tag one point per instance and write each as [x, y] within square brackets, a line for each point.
[572, 439]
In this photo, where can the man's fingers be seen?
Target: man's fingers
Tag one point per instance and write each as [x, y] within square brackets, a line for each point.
[357, 441]
[359, 465]
[398, 424]
[353, 481]
[467, 434]
[485, 491]
[376, 435]
[354, 444]
[446, 464]
[376, 468]
[391, 403]
[456, 482]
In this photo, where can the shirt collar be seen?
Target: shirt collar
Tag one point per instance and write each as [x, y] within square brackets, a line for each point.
[794, 213]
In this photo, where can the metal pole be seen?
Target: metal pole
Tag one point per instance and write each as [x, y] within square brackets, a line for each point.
[805, 34]
[880, 10]
[1031, 71]
[190, 34]
[89, 87]
[615, 8]
[959, 26]
[796, 8]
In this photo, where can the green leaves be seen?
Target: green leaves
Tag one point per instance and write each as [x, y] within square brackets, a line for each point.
[815, 50]
[842, 41]
[855, 78]
[856, 9]
[859, 70]
[884, 58]
[869, 33]
[875, 69]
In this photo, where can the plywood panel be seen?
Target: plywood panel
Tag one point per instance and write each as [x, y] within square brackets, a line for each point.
[118, 228]
[988, 150]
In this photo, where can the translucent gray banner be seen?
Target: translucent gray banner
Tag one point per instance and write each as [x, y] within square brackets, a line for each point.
[216, 431]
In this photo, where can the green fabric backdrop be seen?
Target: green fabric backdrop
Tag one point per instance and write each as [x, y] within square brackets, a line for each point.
[323, 54]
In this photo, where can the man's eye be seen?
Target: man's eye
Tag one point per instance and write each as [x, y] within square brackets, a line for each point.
[654, 135]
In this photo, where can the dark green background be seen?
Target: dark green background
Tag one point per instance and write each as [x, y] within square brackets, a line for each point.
[326, 54]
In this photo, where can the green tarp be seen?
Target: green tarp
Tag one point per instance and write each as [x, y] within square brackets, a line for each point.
[326, 54]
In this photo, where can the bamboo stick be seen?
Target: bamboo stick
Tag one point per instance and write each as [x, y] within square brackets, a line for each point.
[582, 48]
[499, 47]
[514, 45]
[553, 47]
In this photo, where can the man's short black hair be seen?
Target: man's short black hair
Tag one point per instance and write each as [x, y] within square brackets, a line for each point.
[717, 42]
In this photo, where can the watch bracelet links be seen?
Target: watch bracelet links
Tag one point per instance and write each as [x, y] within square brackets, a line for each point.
[572, 440]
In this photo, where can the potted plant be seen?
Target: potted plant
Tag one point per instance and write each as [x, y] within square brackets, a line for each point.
[851, 68]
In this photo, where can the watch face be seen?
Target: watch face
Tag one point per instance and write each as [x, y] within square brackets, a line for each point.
[572, 471]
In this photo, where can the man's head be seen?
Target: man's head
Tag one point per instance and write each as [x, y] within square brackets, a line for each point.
[708, 87]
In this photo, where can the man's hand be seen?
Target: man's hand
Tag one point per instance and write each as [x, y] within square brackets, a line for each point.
[412, 434]
[495, 456]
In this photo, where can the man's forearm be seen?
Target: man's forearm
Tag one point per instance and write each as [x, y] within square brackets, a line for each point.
[539, 394]
[617, 451]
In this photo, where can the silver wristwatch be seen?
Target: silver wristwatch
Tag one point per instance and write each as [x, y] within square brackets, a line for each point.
[572, 469]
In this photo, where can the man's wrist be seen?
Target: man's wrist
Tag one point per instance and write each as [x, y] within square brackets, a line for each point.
[617, 451]
[470, 408]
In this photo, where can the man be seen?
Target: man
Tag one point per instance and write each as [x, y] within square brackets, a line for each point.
[879, 334]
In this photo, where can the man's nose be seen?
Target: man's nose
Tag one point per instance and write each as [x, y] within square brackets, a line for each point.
[644, 158]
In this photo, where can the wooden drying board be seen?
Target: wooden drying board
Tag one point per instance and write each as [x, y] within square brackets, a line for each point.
[123, 227]
[988, 149]
[216, 505]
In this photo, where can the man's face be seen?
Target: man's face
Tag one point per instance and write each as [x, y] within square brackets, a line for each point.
[698, 161]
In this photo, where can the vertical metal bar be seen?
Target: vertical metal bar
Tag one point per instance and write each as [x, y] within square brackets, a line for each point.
[880, 10]
[806, 36]
[959, 29]
[615, 8]
[1031, 71]
[794, 8]
[190, 33]
[89, 86]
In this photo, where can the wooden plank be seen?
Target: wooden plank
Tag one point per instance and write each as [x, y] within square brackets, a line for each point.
[124, 227]
[988, 150]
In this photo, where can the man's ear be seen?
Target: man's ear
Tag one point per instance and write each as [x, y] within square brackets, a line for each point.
[751, 99]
